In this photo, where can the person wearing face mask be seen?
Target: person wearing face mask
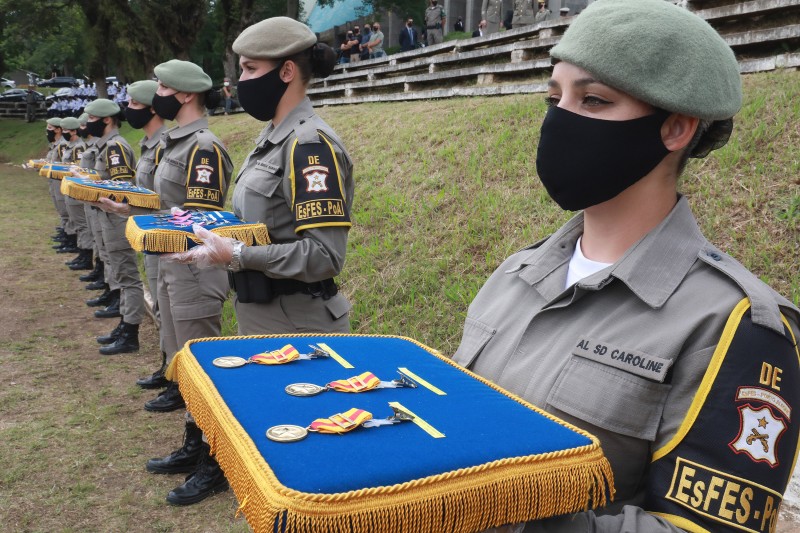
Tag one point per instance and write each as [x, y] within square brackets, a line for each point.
[57, 145]
[141, 115]
[193, 173]
[116, 161]
[96, 278]
[76, 214]
[627, 322]
[435, 21]
[409, 39]
[287, 286]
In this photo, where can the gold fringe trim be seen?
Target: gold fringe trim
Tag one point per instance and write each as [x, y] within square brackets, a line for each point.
[85, 193]
[172, 241]
[44, 170]
[472, 499]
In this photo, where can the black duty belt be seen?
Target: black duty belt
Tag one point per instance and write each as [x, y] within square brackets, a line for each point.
[437, 26]
[255, 287]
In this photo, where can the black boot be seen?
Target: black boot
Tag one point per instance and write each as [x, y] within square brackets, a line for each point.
[170, 399]
[111, 337]
[96, 274]
[99, 285]
[156, 380]
[206, 481]
[102, 300]
[82, 262]
[127, 342]
[60, 235]
[112, 309]
[185, 458]
[70, 246]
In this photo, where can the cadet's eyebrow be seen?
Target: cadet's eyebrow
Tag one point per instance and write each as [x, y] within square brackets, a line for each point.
[582, 82]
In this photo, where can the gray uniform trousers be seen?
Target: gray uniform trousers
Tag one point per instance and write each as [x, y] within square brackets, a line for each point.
[77, 219]
[122, 264]
[190, 302]
[151, 271]
[93, 218]
[293, 313]
[61, 207]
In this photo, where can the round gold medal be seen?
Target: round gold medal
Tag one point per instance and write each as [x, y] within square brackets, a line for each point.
[304, 389]
[286, 433]
[229, 361]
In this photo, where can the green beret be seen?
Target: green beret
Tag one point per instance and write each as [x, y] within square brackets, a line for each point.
[55, 122]
[143, 91]
[83, 119]
[274, 38]
[183, 76]
[102, 108]
[70, 123]
[658, 53]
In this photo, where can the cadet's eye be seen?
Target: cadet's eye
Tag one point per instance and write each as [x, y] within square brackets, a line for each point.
[594, 101]
[551, 101]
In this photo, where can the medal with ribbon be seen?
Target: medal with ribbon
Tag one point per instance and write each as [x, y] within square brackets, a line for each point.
[364, 382]
[287, 354]
[337, 424]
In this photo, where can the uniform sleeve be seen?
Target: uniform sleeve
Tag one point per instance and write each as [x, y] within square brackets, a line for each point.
[318, 198]
[205, 181]
[119, 163]
[321, 186]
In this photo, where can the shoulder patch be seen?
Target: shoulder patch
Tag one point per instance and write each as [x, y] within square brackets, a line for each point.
[730, 461]
[204, 180]
[318, 198]
[117, 162]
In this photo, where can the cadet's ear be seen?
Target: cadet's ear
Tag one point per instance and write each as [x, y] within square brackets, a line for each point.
[678, 130]
[288, 71]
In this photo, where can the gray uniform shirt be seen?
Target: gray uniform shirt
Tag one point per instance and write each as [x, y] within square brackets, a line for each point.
[669, 297]
[263, 193]
[145, 170]
[89, 155]
[176, 178]
[115, 158]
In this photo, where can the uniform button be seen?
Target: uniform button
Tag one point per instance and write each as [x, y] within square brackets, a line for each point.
[715, 256]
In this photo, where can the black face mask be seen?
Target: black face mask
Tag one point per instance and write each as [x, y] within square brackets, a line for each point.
[67, 136]
[167, 107]
[138, 118]
[259, 97]
[82, 133]
[96, 128]
[51, 136]
[585, 161]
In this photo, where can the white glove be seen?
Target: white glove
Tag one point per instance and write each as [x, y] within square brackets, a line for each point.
[110, 206]
[215, 251]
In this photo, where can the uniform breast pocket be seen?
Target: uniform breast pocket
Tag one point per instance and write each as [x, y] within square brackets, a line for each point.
[610, 398]
[474, 339]
[263, 197]
[173, 170]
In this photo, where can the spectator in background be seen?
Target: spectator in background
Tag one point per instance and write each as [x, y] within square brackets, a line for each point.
[348, 47]
[481, 31]
[366, 35]
[564, 12]
[375, 44]
[227, 95]
[408, 37]
[543, 13]
[507, 20]
[491, 12]
[435, 20]
[459, 25]
[524, 13]
[30, 106]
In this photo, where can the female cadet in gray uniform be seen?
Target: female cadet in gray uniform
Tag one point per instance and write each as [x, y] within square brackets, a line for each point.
[286, 286]
[96, 277]
[77, 217]
[193, 173]
[626, 321]
[140, 115]
[57, 144]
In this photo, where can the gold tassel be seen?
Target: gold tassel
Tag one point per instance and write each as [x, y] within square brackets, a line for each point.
[172, 241]
[502, 492]
[86, 193]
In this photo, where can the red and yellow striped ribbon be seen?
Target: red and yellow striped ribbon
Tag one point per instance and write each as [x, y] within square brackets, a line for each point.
[360, 383]
[341, 422]
[287, 354]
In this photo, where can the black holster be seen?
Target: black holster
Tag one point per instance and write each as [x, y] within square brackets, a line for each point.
[254, 287]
